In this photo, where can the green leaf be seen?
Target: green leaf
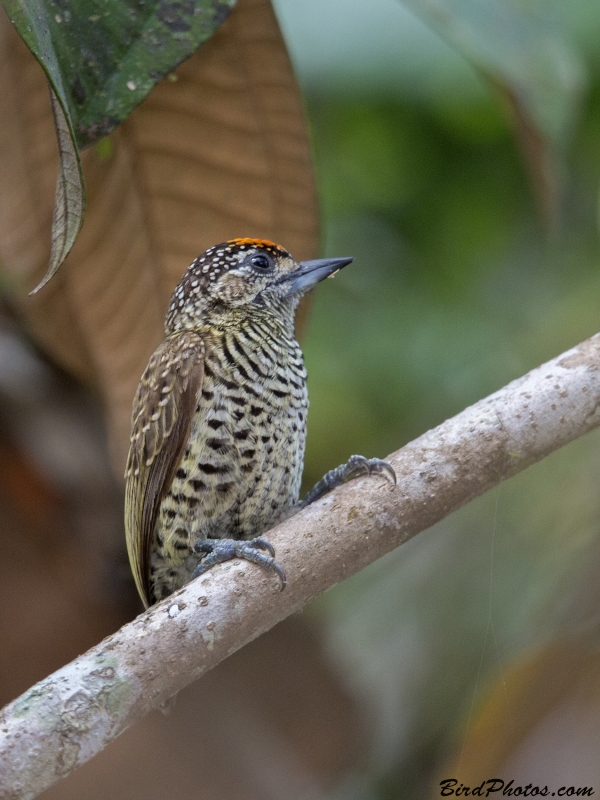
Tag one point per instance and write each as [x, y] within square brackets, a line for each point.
[102, 57]
[521, 49]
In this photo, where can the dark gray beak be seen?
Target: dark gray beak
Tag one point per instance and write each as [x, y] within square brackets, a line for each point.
[311, 272]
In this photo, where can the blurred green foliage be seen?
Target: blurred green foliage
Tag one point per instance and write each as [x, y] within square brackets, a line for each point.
[454, 292]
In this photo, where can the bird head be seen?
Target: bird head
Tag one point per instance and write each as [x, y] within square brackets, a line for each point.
[243, 277]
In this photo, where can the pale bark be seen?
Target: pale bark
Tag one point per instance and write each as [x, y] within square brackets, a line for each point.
[70, 716]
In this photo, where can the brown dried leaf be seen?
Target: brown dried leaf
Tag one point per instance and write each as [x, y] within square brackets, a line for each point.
[220, 150]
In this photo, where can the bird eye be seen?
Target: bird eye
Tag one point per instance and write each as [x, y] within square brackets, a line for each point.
[261, 262]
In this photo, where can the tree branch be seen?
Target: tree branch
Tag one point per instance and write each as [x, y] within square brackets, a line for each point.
[70, 716]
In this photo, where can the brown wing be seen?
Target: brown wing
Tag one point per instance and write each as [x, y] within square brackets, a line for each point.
[163, 408]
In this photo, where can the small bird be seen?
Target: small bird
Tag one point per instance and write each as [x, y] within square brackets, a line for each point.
[219, 419]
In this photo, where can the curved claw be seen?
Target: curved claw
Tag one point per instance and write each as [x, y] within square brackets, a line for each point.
[217, 551]
[247, 550]
[383, 468]
[359, 465]
[280, 574]
[262, 544]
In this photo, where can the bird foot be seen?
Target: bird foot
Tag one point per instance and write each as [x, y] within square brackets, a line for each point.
[220, 550]
[359, 465]
[353, 468]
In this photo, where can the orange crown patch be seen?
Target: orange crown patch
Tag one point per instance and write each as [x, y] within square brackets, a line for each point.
[257, 243]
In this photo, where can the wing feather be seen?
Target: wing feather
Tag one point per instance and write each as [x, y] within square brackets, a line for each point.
[163, 409]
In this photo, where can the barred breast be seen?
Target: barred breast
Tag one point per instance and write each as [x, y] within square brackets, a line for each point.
[242, 466]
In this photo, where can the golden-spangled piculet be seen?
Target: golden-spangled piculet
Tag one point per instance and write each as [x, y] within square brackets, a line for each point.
[219, 419]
